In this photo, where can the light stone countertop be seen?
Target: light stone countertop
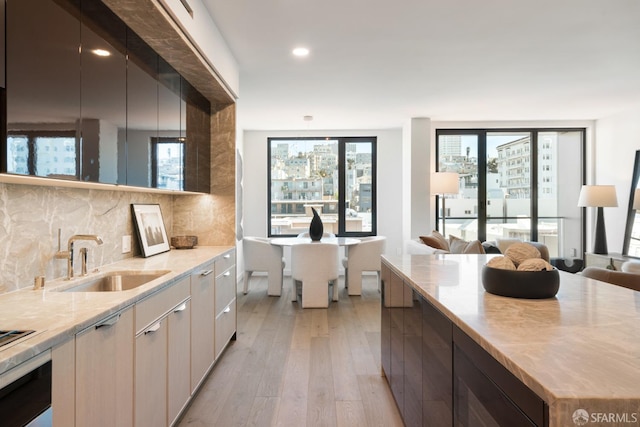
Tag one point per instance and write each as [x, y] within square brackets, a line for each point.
[579, 350]
[58, 316]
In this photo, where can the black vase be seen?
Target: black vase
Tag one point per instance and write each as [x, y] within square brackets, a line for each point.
[316, 228]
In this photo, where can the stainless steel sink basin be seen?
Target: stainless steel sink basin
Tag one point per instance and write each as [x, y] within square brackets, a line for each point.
[117, 281]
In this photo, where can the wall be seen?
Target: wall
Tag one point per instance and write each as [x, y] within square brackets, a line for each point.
[616, 140]
[30, 217]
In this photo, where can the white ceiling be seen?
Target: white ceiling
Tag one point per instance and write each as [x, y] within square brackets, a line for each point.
[375, 64]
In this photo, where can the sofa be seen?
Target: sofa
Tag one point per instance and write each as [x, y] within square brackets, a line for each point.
[436, 243]
[628, 276]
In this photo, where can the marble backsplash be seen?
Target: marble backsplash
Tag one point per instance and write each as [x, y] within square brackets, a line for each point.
[30, 217]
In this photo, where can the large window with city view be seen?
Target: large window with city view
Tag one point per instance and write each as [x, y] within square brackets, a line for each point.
[334, 176]
[520, 183]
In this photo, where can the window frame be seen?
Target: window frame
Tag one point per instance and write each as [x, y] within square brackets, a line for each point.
[342, 142]
[533, 172]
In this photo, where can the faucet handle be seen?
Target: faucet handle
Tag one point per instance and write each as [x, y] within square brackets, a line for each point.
[84, 255]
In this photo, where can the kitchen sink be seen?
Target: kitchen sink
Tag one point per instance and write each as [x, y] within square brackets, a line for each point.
[117, 281]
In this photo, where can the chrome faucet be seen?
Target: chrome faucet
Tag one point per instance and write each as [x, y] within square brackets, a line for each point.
[68, 254]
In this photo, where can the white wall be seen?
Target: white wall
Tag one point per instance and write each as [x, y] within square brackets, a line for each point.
[389, 152]
[616, 140]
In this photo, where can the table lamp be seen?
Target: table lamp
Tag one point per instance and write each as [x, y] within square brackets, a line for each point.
[599, 196]
[444, 183]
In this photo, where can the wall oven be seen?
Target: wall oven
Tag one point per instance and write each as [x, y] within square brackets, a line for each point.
[25, 393]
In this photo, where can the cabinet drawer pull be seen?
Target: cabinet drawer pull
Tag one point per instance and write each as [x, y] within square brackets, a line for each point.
[227, 256]
[153, 328]
[181, 307]
[227, 310]
[206, 273]
[108, 322]
[227, 274]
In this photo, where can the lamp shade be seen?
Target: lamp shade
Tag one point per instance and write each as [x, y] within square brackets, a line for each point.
[445, 183]
[636, 199]
[603, 196]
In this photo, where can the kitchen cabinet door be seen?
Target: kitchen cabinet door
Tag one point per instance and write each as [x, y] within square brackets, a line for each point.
[396, 308]
[412, 343]
[225, 297]
[63, 385]
[104, 372]
[179, 375]
[385, 317]
[202, 323]
[487, 394]
[151, 376]
[437, 367]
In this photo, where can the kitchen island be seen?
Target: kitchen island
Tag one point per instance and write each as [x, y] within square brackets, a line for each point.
[560, 362]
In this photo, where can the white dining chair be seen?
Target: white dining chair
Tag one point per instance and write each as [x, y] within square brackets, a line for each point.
[365, 256]
[314, 266]
[260, 255]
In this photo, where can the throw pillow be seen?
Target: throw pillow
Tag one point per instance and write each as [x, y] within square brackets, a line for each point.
[459, 246]
[490, 248]
[435, 240]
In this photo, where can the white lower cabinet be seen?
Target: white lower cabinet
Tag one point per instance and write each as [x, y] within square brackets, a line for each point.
[202, 321]
[225, 301]
[179, 360]
[142, 365]
[104, 372]
[155, 361]
[63, 376]
[151, 376]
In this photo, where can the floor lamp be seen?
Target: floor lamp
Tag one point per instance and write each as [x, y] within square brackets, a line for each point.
[444, 183]
[599, 196]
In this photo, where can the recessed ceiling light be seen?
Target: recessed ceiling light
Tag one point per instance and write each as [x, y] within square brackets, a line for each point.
[301, 51]
[307, 118]
[101, 52]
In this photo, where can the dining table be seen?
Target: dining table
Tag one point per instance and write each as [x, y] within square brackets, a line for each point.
[291, 241]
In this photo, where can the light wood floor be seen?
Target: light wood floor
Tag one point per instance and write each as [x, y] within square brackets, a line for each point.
[295, 367]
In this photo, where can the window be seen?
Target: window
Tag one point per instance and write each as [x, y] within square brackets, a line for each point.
[167, 163]
[508, 199]
[335, 176]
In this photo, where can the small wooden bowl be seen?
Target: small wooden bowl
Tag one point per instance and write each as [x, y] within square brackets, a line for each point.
[521, 284]
[184, 242]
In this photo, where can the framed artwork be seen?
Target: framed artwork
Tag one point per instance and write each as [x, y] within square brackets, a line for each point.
[150, 227]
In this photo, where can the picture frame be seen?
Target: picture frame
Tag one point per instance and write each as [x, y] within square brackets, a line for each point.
[150, 229]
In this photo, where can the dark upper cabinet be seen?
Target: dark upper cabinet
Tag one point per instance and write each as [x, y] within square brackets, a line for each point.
[43, 89]
[103, 101]
[142, 111]
[89, 100]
